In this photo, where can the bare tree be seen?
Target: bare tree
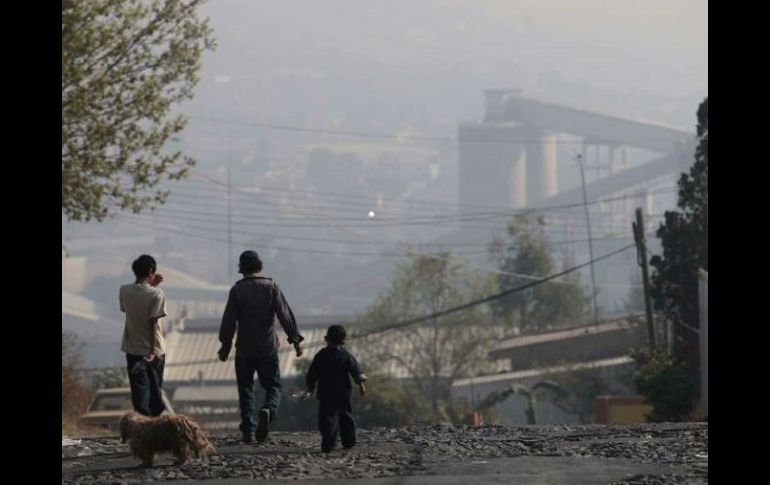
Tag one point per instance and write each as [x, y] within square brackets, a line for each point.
[437, 353]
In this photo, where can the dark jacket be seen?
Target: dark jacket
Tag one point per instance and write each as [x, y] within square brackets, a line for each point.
[331, 369]
[253, 304]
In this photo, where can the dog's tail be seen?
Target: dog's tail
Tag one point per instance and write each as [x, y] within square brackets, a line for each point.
[195, 437]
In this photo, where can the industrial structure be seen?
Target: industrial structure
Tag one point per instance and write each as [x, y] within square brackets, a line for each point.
[527, 156]
[511, 158]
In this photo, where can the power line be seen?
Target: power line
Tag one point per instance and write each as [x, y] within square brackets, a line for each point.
[366, 198]
[281, 217]
[491, 214]
[169, 211]
[497, 211]
[407, 220]
[190, 199]
[131, 220]
[497, 296]
[440, 206]
[448, 207]
[345, 220]
[219, 221]
[306, 221]
[526, 276]
[283, 248]
[383, 136]
[273, 236]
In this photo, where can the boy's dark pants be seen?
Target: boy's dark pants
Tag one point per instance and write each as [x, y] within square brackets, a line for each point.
[336, 416]
[146, 395]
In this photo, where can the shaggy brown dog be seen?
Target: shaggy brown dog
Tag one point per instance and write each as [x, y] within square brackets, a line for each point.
[174, 434]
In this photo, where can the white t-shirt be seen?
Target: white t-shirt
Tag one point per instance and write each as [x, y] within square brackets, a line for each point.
[140, 302]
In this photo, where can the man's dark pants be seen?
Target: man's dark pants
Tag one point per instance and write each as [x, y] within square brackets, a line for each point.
[268, 372]
[336, 416]
[146, 393]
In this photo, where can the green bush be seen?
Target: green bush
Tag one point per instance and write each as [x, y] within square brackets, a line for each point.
[670, 385]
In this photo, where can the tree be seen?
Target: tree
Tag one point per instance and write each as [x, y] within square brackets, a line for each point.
[125, 64]
[667, 382]
[527, 252]
[75, 395]
[684, 240]
[447, 348]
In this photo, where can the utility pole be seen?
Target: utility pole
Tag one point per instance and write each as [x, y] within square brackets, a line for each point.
[641, 253]
[590, 238]
[229, 215]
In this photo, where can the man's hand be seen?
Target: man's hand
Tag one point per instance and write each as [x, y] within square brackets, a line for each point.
[298, 349]
[157, 279]
[362, 388]
[150, 357]
[224, 352]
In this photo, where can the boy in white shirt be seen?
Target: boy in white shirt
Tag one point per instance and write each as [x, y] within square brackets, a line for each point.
[144, 305]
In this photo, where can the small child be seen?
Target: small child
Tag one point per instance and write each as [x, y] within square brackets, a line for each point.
[330, 369]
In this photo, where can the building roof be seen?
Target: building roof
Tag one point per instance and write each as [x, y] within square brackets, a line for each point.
[173, 278]
[192, 355]
[570, 333]
[211, 324]
[543, 371]
[201, 395]
[114, 391]
[78, 306]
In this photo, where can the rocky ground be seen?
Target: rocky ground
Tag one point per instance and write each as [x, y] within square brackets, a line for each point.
[588, 454]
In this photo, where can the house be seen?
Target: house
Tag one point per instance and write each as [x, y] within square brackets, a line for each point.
[596, 353]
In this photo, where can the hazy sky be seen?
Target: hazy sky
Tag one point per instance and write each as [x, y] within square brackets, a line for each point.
[347, 58]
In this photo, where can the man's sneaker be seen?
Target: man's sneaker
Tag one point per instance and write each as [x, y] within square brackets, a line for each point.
[263, 427]
[247, 437]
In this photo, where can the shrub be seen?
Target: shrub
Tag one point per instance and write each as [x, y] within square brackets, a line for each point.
[669, 384]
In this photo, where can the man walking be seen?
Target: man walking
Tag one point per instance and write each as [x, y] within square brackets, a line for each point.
[252, 305]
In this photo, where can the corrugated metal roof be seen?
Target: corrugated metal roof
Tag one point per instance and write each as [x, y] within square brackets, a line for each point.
[524, 374]
[191, 353]
[205, 394]
[526, 340]
[78, 306]
[176, 279]
[188, 354]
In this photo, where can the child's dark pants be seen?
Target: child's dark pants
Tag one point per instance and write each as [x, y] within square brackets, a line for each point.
[336, 416]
